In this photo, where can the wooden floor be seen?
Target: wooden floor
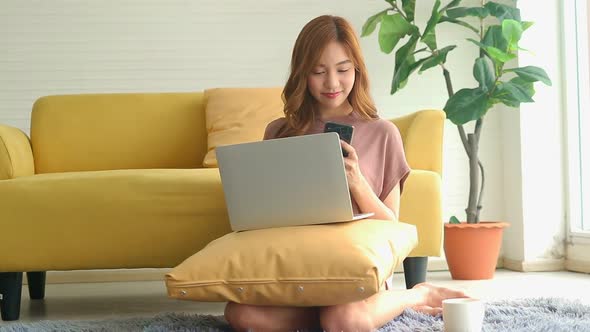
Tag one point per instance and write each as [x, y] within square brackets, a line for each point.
[126, 299]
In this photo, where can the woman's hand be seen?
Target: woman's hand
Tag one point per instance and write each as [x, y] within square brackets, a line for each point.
[433, 296]
[361, 190]
[351, 164]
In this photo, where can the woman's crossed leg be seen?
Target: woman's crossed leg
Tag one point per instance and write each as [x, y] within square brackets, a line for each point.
[366, 315]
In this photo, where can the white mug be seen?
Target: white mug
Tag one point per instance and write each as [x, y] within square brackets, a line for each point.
[463, 315]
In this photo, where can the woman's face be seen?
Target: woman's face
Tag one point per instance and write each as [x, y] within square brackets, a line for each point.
[332, 79]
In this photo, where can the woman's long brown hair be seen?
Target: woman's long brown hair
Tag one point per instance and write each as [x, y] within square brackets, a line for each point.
[300, 109]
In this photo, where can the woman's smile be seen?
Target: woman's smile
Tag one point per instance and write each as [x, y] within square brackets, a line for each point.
[331, 95]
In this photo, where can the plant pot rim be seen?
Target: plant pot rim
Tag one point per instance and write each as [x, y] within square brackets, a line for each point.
[481, 224]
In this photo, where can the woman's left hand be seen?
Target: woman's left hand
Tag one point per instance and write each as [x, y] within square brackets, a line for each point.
[351, 165]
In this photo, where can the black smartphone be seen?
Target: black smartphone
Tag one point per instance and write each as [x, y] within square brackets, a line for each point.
[344, 131]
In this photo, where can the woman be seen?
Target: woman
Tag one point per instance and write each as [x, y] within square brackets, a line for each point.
[328, 82]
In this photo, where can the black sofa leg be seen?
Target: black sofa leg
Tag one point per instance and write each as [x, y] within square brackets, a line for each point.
[11, 285]
[36, 281]
[415, 270]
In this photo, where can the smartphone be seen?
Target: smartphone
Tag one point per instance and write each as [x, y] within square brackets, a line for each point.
[344, 131]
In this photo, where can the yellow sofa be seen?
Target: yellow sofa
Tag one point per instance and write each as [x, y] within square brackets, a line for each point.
[111, 181]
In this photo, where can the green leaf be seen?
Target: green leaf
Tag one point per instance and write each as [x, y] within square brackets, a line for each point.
[461, 23]
[439, 56]
[531, 74]
[498, 55]
[371, 23]
[407, 51]
[477, 43]
[510, 103]
[420, 50]
[454, 220]
[484, 73]
[526, 85]
[429, 35]
[393, 28]
[401, 75]
[429, 62]
[495, 38]
[494, 53]
[512, 93]
[409, 7]
[512, 32]
[453, 3]
[504, 95]
[459, 12]
[526, 25]
[466, 105]
[503, 12]
[523, 49]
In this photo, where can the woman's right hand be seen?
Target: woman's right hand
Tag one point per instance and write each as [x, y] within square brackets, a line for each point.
[433, 297]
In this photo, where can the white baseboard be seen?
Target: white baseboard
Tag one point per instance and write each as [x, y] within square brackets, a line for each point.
[537, 265]
[440, 264]
[434, 264]
[123, 275]
[577, 265]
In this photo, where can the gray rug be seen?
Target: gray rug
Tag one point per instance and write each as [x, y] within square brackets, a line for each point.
[539, 315]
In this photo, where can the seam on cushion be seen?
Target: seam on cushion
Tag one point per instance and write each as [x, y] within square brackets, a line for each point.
[210, 283]
[11, 171]
[286, 279]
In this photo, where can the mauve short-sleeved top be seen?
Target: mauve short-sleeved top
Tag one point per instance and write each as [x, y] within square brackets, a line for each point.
[378, 145]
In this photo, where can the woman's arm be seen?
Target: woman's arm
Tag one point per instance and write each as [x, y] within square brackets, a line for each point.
[369, 202]
[363, 194]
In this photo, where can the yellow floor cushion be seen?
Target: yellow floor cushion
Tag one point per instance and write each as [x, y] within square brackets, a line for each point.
[314, 265]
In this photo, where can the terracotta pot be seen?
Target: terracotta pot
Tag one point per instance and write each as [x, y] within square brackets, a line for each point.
[472, 249]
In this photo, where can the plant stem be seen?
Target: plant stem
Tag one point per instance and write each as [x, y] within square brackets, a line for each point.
[464, 139]
[471, 210]
[479, 199]
[474, 205]
[481, 31]
[396, 8]
[477, 132]
[471, 146]
[450, 92]
[447, 76]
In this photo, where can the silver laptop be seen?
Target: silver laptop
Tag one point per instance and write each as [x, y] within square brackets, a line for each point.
[285, 182]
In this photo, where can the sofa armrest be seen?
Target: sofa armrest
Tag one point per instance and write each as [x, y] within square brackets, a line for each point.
[422, 135]
[421, 205]
[16, 155]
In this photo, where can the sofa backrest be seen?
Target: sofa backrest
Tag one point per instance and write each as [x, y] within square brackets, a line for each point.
[422, 135]
[89, 132]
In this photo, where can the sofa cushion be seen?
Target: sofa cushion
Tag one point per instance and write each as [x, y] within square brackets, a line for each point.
[313, 265]
[105, 131]
[238, 115]
[152, 218]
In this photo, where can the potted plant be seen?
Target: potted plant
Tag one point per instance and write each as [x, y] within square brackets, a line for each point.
[472, 247]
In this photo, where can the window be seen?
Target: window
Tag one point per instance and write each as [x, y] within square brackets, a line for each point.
[577, 125]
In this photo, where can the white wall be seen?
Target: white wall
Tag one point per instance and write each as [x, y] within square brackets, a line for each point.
[66, 46]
